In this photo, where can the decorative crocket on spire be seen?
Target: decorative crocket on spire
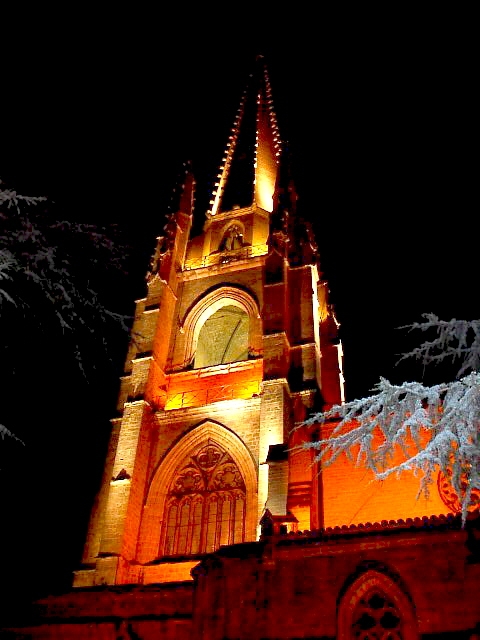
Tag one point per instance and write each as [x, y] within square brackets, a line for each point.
[181, 202]
[249, 166]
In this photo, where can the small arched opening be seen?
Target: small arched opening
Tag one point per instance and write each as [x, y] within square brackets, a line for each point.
[373, 607]
[224, 326]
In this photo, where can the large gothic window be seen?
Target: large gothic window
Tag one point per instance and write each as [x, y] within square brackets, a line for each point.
[205, 506]
[223, 338]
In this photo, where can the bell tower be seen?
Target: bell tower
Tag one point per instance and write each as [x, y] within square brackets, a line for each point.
[233, 345]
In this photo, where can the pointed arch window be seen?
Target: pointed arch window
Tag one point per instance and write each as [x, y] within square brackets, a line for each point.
[374, 607]
[223, 338]
[206, 504]
[376, 616]
[228, 319]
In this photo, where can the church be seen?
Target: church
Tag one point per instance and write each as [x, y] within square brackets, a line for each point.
[212, 521]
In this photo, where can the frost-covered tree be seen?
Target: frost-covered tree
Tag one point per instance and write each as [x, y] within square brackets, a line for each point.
[55, 297]
[436, 427]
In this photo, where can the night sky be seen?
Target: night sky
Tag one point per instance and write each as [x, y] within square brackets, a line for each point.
[383, 129]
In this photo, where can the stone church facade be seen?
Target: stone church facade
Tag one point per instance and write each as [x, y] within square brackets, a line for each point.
[211, 523]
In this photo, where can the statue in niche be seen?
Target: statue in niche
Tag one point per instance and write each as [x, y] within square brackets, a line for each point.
[233, 239]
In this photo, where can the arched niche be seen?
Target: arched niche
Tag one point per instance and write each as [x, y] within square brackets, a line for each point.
[223, 338]
[237, 312]
[232, 237]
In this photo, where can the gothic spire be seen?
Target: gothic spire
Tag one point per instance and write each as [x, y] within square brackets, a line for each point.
[248, 173]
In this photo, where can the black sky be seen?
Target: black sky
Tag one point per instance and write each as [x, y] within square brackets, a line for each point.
[383, 132]
[383, 127]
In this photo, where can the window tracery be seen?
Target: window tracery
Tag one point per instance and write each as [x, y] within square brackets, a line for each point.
[449, 496]
[205, 506]
[376, 618]
[375, 607]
